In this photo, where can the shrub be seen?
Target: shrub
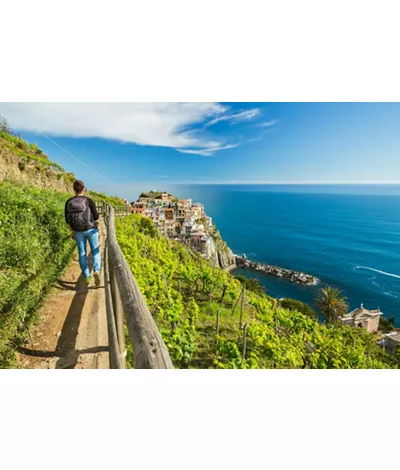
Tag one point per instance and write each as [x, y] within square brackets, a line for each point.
[21, 144]
[386, 325]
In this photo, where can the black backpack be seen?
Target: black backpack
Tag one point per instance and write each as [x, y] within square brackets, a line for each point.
[79, 215]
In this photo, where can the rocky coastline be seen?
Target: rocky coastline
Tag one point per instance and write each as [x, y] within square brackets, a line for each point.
[288, 274]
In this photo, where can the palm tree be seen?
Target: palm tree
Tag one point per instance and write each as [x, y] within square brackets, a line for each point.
[331, 303]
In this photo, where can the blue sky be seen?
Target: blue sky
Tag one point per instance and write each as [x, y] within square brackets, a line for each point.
[150, 145]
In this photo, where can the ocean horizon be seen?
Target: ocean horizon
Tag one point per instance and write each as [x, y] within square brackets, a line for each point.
[345, 234]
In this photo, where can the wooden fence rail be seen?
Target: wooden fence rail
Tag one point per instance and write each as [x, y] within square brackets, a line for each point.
[123, 296]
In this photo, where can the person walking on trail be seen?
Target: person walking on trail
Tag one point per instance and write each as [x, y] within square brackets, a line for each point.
[81, 216]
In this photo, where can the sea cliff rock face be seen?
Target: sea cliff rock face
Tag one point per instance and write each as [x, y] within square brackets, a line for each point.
[226, 258]
[223, 256]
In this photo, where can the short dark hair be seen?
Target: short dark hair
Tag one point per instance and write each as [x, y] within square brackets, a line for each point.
[78, 186]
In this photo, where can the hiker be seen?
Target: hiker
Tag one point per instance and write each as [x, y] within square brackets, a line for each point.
[81, 216]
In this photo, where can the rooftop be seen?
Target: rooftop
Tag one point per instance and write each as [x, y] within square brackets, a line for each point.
[362, 312]
[394, 336]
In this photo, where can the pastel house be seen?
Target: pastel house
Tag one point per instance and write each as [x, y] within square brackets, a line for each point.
[363, 318]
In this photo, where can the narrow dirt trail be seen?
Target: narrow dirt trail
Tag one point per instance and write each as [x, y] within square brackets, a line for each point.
[72, 330]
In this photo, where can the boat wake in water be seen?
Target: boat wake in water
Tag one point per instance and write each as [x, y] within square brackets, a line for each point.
[378, 271]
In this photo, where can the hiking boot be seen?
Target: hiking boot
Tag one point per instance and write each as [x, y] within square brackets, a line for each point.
[97, 279]
[88, 280]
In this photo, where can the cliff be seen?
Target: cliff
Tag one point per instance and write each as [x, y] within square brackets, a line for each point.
[225, 258]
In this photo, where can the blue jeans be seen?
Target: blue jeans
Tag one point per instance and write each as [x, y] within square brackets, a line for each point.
[81, 238]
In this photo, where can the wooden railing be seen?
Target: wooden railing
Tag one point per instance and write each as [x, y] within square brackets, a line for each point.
[125, 302]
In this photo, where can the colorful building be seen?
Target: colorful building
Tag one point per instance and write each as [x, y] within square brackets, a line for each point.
[363, 318]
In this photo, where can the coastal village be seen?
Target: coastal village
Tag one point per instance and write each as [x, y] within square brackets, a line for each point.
[187, 222]
[177, 219]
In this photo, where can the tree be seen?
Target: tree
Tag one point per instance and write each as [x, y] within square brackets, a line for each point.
[331, 303]
[147, 227]
[4, 126]
[292, 304]
[386, 324]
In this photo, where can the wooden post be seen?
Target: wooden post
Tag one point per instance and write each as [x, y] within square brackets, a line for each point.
[114, 354]
[217, 326]
[237, 301]
[244, 341]
[241, 310]
[223, 293]
[166, 288]
[119, 317]
[210, 299]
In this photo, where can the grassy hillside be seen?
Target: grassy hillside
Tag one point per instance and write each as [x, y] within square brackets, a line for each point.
[35, 247]
[186, 314]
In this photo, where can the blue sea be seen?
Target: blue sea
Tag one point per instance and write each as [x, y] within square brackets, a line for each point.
[348, 236]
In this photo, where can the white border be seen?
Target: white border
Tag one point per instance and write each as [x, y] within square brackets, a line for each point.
[199, 51]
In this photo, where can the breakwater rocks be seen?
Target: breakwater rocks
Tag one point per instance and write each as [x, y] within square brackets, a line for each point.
[290, 275]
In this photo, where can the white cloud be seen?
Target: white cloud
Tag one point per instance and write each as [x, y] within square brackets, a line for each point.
[268, 123]
[158, 124]
[236, 117]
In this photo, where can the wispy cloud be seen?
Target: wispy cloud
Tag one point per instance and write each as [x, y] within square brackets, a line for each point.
[236, 117]
[268, 123]
[208, 152]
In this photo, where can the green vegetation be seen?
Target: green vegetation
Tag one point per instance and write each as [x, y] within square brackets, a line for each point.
[386, 325]
[154, 194]
[35, 247]
[331, 304]
[292, 304]
[185, 309]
